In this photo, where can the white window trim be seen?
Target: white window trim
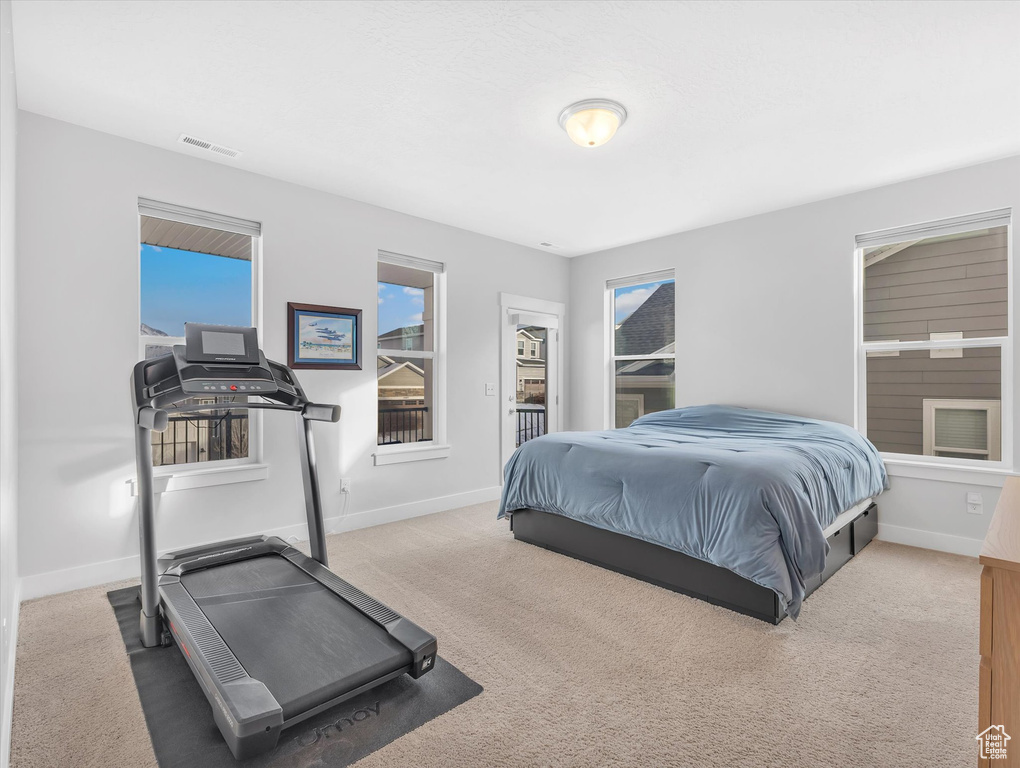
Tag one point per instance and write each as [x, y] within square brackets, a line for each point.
[401, 454]
[203, 477]
[201, 474]
[438, 447]
[979, 472]
[922, 470]
[610, 337]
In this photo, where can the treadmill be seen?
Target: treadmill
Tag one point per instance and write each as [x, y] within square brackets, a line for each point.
[272, 636]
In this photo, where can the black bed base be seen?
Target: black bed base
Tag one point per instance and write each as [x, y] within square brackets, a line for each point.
[677, 571]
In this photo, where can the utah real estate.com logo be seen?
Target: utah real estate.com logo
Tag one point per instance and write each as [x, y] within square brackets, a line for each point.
[993, 742]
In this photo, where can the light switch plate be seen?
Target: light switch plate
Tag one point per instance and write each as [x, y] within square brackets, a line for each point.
[490, 390]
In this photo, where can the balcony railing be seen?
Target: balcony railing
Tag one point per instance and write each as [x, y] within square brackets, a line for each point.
[201, 438]
[530, 422]
[403, 425]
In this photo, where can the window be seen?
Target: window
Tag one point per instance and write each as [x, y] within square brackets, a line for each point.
[642, 346]
[962, 429]
[934, 351]
[410, 352]
[195, 267]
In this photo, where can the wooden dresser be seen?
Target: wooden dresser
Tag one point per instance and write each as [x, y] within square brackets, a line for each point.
[999, 702]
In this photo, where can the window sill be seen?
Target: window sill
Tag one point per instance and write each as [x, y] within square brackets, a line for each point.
[992, 476]
[186, 479]
[415, 453]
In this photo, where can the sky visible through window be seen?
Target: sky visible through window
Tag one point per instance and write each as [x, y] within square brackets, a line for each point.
[183, 286]
[399, 306]
[630, 298]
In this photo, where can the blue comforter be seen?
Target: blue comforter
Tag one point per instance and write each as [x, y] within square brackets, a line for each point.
[746, 490]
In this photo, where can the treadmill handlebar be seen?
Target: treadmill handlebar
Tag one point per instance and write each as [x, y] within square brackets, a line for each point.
[157, 419]
[320, 412]
[153, 418]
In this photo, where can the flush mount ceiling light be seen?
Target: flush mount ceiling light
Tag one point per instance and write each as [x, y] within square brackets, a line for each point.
[592, 122]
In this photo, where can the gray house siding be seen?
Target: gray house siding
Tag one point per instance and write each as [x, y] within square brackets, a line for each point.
[955, 285]
[898, 385]
[958, 285]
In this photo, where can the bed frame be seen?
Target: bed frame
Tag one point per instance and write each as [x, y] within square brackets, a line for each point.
[677, 571]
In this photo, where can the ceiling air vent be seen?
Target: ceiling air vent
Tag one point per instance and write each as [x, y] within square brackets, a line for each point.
[208, 146]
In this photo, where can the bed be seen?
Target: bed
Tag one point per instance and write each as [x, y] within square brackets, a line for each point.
[746, 509]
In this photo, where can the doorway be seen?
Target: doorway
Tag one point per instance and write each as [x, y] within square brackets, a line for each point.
[530, 391]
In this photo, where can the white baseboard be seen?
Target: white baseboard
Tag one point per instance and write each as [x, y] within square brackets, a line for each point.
[7, 706]
[53, 582]
[414, 509]
[79, 577]
[940, 542]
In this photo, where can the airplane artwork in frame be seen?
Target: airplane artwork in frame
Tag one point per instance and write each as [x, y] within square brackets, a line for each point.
[327, 338]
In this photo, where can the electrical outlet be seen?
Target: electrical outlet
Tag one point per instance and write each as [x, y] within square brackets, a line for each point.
[975, 503]
[490, 390]
[345, 485]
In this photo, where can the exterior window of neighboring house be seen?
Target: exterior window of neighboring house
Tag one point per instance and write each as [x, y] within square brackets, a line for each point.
[410, 358]
[531, 365]
[532, 368]
[196, 267]
[934, 350]
[642, 312]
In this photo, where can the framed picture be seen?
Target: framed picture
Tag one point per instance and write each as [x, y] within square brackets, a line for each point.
[323, 337]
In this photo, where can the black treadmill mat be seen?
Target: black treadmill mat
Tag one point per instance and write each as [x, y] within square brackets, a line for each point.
[184, 735]
[306, 644]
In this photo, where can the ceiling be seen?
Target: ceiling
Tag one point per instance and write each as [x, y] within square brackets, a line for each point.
[448, 110]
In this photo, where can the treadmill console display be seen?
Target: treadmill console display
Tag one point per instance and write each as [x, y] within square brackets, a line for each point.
[221, 344]
[222, 360]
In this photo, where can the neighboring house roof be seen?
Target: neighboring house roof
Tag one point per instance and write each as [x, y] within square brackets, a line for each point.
[647, 368]
[404, 374]
[522, 332]
[652, 326]
[651, 367]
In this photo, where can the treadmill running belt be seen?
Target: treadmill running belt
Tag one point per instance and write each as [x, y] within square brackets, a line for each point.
[286, 629]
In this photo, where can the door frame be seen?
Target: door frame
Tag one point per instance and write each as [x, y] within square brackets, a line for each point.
[546, 314]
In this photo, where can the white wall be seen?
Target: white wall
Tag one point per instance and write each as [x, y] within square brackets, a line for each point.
[8, 384]
[78, 269]
[765, 314]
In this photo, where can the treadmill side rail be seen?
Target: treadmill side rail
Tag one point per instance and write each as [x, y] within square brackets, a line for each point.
[257, 734]
[249, 717]
[421, 644]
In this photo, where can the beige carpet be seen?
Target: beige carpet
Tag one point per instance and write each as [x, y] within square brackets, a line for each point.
[585, 667]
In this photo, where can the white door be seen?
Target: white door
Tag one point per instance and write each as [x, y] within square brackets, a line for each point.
[530, 388]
